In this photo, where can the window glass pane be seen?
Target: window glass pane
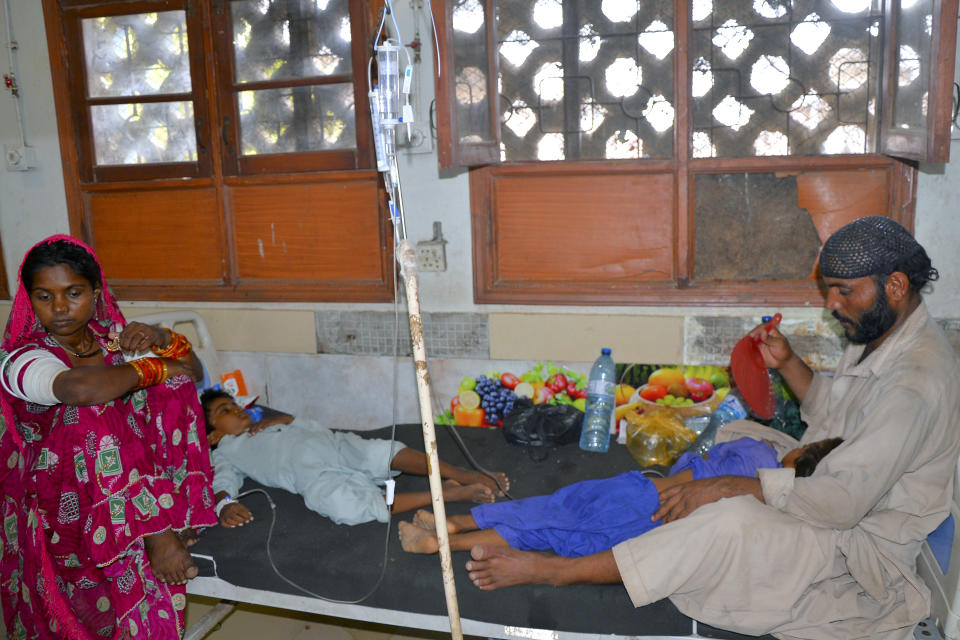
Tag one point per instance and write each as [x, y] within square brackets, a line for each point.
[470, 61]
[785, 78]
[139, 133]
[139, 54]
[914, 35]
[585, 79]
[297, 119]
[283, 39]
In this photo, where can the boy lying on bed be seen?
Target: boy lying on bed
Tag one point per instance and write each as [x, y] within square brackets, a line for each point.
[338, 473]
[594, 515]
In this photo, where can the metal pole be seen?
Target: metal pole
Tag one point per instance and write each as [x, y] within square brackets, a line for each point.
[408, 269]
[210, 619]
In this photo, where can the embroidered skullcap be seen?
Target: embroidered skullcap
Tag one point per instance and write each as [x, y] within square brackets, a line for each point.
[867, 246]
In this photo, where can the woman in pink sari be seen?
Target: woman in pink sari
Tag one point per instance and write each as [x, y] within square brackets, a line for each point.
[104, 470]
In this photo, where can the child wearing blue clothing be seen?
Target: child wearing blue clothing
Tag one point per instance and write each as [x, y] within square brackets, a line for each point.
[595, 515]
[339, 474]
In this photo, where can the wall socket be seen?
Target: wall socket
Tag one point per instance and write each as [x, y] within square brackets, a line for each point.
[432, 254]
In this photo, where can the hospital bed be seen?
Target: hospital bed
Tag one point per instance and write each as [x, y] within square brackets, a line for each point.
[343, 564]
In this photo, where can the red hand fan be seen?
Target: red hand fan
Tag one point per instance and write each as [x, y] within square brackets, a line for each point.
[750, 373]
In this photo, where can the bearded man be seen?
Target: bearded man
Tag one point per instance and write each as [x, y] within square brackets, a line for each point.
[831, 556]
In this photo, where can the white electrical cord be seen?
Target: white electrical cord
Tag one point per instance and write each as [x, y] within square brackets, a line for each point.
[436, 39]
[11, 48]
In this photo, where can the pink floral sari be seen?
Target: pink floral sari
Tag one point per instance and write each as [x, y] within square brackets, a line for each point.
[83, 486]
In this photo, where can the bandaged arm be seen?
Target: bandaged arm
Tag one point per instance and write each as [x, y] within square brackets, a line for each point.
[28, 374]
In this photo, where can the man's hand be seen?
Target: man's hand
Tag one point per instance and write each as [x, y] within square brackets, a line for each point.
[234, 515]
[681, 500]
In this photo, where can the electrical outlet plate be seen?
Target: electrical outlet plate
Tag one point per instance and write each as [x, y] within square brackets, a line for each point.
[431, 256]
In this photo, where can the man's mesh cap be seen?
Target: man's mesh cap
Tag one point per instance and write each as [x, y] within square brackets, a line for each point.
[867, 246]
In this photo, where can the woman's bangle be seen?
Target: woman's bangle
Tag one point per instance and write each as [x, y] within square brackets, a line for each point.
[220, 505]
[150, 371]
[179, 346]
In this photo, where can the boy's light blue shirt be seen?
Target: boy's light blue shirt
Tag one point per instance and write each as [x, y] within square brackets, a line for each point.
[339, 473]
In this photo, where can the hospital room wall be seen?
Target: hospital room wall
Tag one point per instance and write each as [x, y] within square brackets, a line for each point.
[280, 345]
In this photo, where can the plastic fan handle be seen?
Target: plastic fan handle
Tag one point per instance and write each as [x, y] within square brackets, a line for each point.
[770, 324]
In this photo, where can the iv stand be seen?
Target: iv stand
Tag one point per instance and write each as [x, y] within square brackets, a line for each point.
[406, 257]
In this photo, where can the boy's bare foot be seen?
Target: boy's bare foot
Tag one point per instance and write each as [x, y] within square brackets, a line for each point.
[169, 558]
[416, 540]
[189, 536]
[426, 520]
[492, 567]
[453, 491]
[475, 477]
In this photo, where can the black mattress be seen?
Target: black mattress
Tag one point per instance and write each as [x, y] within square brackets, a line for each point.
[344, 562]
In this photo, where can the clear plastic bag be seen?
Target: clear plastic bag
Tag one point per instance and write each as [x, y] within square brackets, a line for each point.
[657, 436]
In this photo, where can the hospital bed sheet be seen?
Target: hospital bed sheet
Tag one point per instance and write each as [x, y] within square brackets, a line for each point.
[344, 562]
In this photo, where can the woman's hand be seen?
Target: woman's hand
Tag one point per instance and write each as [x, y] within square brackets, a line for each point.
[137, 337]
[235, 515]
[257, 427]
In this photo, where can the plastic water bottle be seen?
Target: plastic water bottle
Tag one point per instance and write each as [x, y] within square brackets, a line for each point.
[598, 415]
[729, 410]
[256, 413]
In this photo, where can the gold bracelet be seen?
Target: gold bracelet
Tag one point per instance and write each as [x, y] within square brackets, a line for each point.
[140, 375]
[150, 371]
[179, 346]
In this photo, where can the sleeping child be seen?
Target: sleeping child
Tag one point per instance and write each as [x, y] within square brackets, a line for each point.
[595, 515]
[338, 473]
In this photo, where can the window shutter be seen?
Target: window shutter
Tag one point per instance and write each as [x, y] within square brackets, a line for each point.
[468, 127]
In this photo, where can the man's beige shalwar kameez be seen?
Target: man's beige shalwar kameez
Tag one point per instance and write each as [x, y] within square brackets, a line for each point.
[830, 556]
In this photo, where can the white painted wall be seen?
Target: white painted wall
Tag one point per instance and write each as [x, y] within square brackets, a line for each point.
[33, 203]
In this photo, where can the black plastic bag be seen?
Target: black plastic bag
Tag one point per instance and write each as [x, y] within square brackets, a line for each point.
[541, 426]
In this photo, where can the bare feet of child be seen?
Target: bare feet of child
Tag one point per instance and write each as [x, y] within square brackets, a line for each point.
[189, 537]
[413, 539]
[425, 520]
[169, 559]
[453, 491]
[474, 477]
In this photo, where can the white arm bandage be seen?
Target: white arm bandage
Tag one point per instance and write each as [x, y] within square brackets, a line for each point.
[29, 375]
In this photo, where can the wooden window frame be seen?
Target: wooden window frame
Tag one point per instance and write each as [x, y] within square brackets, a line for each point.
[215, 174]
[80, 103]
[237, 164]
[932, 143]
[485, 168]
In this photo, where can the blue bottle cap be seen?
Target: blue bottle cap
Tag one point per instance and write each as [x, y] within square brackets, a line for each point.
[766, 319]
[605, 351]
